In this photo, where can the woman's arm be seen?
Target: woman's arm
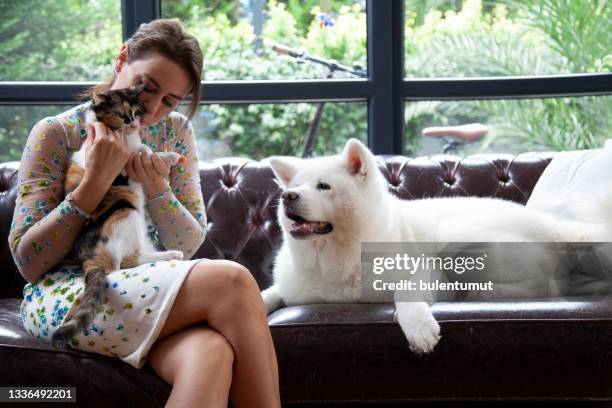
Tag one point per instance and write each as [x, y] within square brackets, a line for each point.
[179, 215]
[45, 225]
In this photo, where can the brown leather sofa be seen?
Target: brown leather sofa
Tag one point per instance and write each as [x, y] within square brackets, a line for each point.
[351, 353]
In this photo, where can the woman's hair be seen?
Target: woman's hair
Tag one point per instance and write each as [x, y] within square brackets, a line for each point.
[168, 38]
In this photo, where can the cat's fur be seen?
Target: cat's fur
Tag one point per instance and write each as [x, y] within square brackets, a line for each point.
[115, 237]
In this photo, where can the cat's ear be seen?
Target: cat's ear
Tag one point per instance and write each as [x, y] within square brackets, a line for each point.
[134, 91]
[100, 97]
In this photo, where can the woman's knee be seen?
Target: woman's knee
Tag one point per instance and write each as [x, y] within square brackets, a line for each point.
[221, 292]
[207, 344]
[224, 277]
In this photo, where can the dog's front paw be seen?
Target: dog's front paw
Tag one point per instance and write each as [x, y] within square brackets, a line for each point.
[419, 326]
[271, 299]
[422, 336]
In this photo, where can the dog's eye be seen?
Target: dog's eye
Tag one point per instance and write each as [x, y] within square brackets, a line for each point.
[323, 186]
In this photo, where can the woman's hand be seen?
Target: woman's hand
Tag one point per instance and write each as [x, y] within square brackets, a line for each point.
[106, 154]
[150, 171]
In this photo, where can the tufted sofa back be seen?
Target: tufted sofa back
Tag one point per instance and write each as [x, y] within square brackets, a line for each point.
[241, 199]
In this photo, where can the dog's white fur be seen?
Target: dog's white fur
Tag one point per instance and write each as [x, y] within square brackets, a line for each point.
[323, 268]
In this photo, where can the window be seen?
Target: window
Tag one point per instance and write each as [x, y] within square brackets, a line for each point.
[15, 124]
[60, 40]
[473, 38]
[514, 125]
[260, 130]
[238, 37]
[444, 62]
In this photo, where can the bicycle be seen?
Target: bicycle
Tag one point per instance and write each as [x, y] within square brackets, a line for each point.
[455, 136]
[333, 66]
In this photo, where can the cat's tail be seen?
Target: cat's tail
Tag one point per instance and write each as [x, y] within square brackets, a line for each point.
[95, 286]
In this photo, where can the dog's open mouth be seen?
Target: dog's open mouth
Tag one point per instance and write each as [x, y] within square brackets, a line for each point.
[302, 228]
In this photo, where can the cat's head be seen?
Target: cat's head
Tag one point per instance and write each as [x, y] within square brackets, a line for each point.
[118, 108]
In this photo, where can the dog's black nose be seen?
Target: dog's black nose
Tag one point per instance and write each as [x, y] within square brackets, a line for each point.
[289, 196]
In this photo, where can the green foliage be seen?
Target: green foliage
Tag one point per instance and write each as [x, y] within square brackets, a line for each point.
[578, 30]
[182, 8]
[60, 40]
[258, 131]
[513, 38]
[72, 40]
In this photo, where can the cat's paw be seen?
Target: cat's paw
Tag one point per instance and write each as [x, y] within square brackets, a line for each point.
[178, 255]
[419, 326]
[171, 158]
[144, 149]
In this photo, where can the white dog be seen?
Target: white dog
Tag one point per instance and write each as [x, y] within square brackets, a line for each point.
[332, 204]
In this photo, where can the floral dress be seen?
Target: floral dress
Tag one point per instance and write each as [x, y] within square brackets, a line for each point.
[137, 300]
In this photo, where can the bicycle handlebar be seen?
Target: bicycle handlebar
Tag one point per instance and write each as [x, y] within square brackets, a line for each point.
[283, 50]
[331, 64]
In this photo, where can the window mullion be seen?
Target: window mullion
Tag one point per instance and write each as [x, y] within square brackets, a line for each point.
[136, 12]
[386, 69]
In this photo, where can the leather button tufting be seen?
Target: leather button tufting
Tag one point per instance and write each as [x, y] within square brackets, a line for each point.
[257, 219]
[229, 182]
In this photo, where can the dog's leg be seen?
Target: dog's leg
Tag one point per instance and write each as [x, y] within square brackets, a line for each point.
[418, 324]
[271, 298]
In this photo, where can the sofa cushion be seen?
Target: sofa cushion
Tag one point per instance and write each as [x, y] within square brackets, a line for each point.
[516, 351]
[348, 352]
[100, 381]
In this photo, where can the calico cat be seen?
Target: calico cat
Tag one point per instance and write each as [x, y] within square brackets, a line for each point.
[115, 236]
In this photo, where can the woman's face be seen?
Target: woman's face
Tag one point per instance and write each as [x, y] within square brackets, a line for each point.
[166, 83]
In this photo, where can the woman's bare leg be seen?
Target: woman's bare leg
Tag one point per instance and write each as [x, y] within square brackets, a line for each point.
[197, 362]
[226, 296]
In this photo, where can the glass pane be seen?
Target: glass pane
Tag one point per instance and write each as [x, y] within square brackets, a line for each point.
[253, 131]
[261, 130]
[514, 126]
[59, 40]
[471, 38]
[237, 36]
[15, 125]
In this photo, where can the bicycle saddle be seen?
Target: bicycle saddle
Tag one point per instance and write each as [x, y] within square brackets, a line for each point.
[470, 132]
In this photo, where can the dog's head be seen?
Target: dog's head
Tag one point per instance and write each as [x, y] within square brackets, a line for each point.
[327, 195]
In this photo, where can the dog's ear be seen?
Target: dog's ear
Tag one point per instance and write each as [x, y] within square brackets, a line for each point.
[284, 167]
[356, 155]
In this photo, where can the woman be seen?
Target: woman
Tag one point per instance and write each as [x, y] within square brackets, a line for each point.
[201, 324]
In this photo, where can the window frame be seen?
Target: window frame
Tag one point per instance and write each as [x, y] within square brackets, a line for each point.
[385, 90]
